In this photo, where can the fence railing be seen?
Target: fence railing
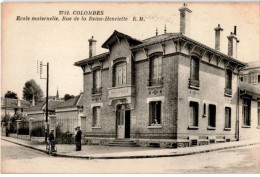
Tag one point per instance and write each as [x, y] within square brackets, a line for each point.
[24, 128]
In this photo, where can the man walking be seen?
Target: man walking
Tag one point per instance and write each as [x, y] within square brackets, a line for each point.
[78, 139]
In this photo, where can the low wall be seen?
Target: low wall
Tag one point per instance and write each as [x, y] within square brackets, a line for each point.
[14, 135]
[37, 139]
[24, 137]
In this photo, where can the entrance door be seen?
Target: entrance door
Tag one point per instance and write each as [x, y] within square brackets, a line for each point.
[121, 124]
[127, 124]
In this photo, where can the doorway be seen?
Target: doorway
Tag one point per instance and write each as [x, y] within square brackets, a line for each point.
[123, 123]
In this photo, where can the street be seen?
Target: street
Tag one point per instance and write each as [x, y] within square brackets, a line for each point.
[18, 159]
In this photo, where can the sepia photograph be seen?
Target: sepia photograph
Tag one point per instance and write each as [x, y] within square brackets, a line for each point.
[130, 88]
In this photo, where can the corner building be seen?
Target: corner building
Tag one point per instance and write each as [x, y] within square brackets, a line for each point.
[167, 90]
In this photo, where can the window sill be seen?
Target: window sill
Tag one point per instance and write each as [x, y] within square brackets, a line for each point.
[192, 127]
[155, 86]
[227, 129]
[211, 128]
[96, 94]
[245, 126]
[227, 95]
[194, 87]
[98, 127]
[154, 126]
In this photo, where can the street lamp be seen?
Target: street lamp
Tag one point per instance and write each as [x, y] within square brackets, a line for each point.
[47, 93]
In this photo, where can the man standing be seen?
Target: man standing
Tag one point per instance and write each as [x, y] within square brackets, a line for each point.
[78, 139]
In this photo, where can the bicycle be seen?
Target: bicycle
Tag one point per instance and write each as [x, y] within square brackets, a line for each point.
[49, 150]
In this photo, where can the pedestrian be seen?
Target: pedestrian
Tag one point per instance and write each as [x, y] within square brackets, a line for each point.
[52, 139]
[78, 139]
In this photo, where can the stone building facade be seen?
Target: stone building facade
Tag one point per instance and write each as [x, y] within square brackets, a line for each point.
[168, 90]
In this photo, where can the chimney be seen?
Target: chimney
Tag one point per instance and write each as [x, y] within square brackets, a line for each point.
[185, 20]
[218, 30]
[92, 47]
[232, 43]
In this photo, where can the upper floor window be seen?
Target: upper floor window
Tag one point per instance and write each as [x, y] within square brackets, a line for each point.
[96, 81]
[228, 84]
[253, 78]
[246, 111]
[156, 70]
[120, 74]
[194, 71]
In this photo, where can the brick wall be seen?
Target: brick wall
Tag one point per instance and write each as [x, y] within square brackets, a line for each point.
[212, 84]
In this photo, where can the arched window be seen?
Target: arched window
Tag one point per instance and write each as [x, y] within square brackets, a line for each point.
[96, 81]
[194, 71]
[119, 74]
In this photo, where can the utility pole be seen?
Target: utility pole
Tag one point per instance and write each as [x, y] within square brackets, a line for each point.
[47, 95]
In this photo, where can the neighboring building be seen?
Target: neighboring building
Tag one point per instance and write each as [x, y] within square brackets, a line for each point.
[12, 106]
[69, 114]
[168, 89]
[249, 111]
[251, 73]
[38, 111]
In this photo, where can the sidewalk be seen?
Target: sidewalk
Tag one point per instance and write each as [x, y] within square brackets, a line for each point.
[111, 152]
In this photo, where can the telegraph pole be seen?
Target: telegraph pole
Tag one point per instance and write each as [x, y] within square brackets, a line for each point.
[47, 96]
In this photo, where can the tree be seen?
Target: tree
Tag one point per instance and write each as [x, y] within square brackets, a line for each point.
[68, 96]
[10, 94]
[30, 89]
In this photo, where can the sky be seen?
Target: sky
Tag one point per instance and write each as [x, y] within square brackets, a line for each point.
[62, 43]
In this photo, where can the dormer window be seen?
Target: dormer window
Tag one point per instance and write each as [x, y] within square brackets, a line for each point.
[96, 81]
[228, 77]
[155, 70]
[194, 72]
[119, 74]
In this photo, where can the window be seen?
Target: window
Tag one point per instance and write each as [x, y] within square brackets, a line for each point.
[253, 78]
[245, 79]
[96, 81]
[194, 113]
[204, 110]
[258, 112]
[194, 71]
[228, 88]
[155, 113]
[246, 111]
[227, 117]
[120, 74]
[212, 115]
[156, 70]
[96, 116]
[258, 78]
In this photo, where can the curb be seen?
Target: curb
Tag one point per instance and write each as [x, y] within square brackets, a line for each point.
[135, 156]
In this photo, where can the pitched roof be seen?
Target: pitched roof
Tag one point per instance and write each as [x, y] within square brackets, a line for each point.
[116, 35]
[41, 106]
[253, 64]
[155, 40]
[13, 103]
[248, 88]
[73, 102]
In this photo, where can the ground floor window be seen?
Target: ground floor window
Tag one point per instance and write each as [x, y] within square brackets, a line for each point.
[246, 111]
[227, 117]
[212, 115]
[96, 116]
[194, 113]
[258, 112]
[155, 112]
